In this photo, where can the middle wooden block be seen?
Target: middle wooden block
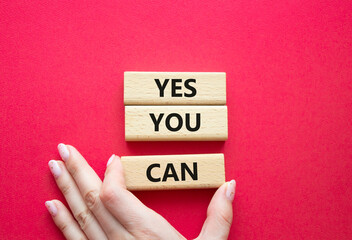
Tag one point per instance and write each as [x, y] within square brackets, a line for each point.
[176, 123]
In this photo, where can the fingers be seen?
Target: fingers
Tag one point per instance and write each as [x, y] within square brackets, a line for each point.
[85, 177]
[82, 214]
[219, 214]
[138, 219]
[117, 171]
[89, 185]
[128, 210]
[64, 220]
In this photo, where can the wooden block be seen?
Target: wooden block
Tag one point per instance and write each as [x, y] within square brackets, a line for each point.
[175, 88]
[174, 171]
[175, 123]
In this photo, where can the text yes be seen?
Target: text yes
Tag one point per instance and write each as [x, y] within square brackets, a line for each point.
[175, 87]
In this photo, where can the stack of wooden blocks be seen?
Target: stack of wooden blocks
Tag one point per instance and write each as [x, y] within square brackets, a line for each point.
[175, 106]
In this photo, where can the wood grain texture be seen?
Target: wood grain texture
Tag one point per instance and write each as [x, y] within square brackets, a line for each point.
[210, 171]
[139, 125]
[140, 88]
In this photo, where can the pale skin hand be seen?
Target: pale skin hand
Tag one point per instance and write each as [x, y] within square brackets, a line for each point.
[107, 210]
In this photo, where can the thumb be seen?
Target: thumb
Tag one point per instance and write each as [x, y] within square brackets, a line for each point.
[219, 214]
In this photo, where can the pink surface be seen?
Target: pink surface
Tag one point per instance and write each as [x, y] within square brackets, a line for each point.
[289, 95]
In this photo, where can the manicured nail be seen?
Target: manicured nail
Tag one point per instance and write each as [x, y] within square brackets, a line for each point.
[51, 208]
[54, 168]
[230, 191]
[63, 151]
[110, 159]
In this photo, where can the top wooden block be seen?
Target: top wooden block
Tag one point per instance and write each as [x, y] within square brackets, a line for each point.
[174, 88]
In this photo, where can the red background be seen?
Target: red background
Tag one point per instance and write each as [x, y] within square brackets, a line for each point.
[289, 96]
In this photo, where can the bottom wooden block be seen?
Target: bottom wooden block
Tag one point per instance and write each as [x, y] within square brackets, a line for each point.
[174, 171]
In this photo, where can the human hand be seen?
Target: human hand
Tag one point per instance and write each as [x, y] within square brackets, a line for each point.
[107, 210]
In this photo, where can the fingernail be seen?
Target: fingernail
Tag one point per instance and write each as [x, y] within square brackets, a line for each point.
[54, 168]
[63, 151]
[51, 208]
[230, 191]
[110, 159]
